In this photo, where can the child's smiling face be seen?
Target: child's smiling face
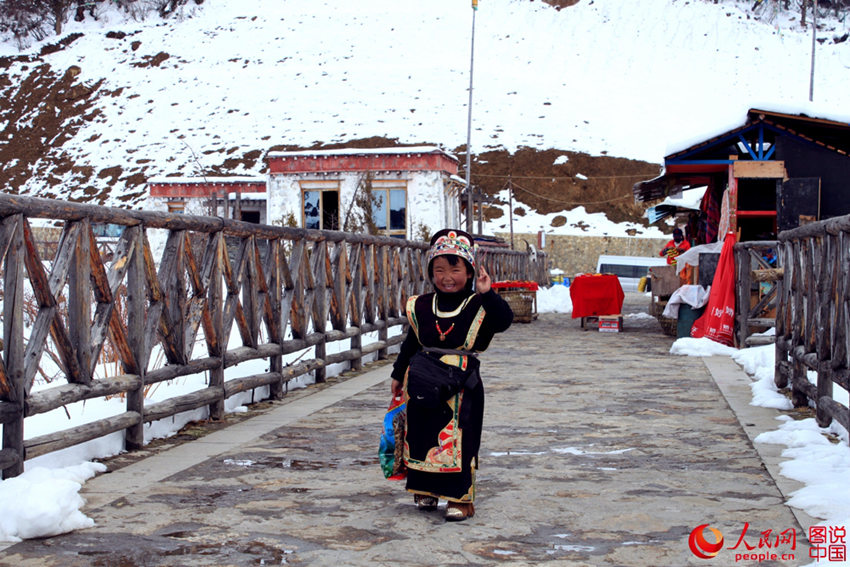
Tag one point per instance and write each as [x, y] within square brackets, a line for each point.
[449, 278]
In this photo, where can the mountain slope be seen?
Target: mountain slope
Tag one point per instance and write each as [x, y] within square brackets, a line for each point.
[91, 115]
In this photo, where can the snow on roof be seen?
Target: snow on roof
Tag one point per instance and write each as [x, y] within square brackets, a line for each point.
[364, 151]
[206, 180]
[688, 199]
[700, 127]
[249, 196]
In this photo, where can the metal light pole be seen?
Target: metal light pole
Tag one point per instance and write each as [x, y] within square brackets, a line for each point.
[814, 43]
[469, 128]
[511, 208]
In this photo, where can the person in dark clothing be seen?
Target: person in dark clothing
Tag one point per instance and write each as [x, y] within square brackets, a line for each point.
[451, 325]
[675, 247]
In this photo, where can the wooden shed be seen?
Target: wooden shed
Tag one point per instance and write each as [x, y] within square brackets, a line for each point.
[773, 173]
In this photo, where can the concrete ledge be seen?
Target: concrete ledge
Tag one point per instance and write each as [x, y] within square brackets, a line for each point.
[106, 488]
[734, 384]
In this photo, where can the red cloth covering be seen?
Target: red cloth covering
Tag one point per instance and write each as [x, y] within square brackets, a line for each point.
[710, 207]
[718, 321]
[514, 284]
[596, 294]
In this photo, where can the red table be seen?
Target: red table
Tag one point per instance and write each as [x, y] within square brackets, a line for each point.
[595, 295]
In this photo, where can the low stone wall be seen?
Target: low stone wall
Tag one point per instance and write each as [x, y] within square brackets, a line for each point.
[579, 254]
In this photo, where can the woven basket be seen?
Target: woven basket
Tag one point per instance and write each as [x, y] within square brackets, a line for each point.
[668, 325]
[521, 302]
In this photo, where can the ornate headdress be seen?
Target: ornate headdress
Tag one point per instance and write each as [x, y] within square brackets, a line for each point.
[451, 241]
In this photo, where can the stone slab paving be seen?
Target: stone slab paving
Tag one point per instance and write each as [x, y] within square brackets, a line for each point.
[598, 449]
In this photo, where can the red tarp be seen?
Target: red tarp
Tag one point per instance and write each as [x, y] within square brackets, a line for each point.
[513, 284]
[596, 294]
[718, 321]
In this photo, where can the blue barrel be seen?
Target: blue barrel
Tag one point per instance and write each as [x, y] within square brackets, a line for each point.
[687, 316]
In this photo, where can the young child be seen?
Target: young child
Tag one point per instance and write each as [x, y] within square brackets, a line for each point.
[442, 439]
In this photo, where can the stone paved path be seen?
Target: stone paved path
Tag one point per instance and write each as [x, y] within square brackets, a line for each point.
[598, 449]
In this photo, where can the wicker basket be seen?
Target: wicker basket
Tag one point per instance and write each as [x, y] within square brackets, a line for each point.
[668, 325]
[521, 302]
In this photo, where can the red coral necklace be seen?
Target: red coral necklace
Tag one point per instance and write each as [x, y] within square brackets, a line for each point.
[444, 314]
[440, 331]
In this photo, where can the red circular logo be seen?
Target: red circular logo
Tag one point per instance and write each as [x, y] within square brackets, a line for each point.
[702, 548]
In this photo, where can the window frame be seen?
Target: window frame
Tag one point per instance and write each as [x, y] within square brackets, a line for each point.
[320, 187]
[385, 186]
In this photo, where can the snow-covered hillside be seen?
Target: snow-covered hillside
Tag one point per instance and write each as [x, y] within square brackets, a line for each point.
[217, 87]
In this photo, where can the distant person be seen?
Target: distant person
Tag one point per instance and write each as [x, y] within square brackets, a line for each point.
[675, 247]
[445, 415]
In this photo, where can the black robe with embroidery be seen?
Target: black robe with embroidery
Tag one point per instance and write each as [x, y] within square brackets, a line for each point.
[456, 425]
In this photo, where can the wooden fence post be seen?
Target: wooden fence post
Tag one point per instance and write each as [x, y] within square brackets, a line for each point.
[136, 297]
[799, 291]
[823, 326]
[13, 340]
[381, 297]
[215, 304]
[783, 310]
[79, 303]
[742, 293]
[250, 285]
[319, 308]
[275, 286]
[354, 271]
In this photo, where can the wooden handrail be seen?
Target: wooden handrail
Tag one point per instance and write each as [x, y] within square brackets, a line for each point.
[209, 294]
[812, 316]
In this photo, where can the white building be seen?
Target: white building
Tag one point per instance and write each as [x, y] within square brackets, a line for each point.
[404, 192]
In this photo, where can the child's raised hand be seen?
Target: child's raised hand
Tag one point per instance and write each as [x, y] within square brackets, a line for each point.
[483, 283]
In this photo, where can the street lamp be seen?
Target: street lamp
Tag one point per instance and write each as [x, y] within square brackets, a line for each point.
[814, 44]
[469, 127]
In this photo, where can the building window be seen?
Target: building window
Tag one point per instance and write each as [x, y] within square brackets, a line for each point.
[389, 207]
[177, 207]
[320, 201]
[251, 216]
[107, 230]
[248, 210]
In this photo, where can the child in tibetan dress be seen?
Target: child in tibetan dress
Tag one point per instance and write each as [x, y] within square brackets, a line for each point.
[450, 325]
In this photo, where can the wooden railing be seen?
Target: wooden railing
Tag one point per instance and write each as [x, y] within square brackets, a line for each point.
[753, 273]
[813, 316]
[284, 289]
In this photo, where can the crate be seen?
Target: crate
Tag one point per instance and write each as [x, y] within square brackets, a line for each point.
[664, 281]
[610, 323]
[522, 303]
